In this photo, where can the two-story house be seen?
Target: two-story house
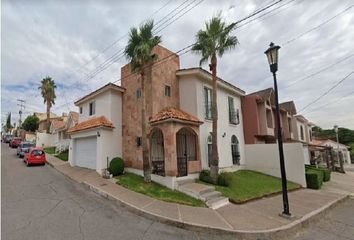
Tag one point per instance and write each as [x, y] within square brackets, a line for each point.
[97, 137]
[178, 122]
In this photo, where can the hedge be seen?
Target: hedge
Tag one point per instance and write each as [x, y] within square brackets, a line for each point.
[223, 179]
[314, 178]
[326, 172]
[116, 166]
[204, 176]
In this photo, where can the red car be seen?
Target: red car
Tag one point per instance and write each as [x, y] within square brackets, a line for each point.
[15, 142]
[35, 156]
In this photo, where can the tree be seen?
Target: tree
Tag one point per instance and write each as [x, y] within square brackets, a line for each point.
[48, 93]
[8, 125]
[214, 41]
[139, 52]
[31, 123]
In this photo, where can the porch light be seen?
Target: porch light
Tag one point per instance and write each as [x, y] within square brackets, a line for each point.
[272, 56]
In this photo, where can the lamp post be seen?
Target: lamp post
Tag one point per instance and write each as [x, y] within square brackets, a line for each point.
[272, 56]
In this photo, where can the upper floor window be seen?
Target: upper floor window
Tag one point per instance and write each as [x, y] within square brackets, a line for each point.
[269, 118]
[234, 117]
[168, 91]
[138, 93]
[80, 109]
[302, 133]
[310, 135]
[92, 108]
[207, 102]
[289, 125]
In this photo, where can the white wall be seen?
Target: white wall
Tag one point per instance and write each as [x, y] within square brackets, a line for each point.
[192, 101]
[103, 106]
[265, 158]
[45, 140]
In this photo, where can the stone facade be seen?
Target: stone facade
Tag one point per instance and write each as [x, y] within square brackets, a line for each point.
[163, 74]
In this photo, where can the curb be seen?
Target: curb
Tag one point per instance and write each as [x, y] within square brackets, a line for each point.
[282, 232]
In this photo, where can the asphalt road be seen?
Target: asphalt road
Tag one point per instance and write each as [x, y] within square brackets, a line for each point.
[41, 203]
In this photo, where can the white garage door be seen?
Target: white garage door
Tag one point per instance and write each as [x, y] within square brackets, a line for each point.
[85, 153]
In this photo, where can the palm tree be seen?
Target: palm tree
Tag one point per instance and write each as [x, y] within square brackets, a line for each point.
[214, 41]
[48, 93]
[139, 52]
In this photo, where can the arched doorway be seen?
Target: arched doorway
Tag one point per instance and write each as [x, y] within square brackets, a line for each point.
[186, 150]
[157, 153]
[235, 150]
[209, 142]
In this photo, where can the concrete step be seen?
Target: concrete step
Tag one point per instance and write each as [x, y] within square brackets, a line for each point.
[185, 181]
[210, 195]
[195, 189]
[218, 202]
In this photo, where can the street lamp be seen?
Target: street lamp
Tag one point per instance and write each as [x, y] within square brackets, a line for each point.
[272, 56]
[335, 127]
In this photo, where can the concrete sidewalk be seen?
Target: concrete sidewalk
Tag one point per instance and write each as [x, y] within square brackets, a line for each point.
[255, 219]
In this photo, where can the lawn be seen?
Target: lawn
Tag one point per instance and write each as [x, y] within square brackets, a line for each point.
[49, 150]
[136, 183]
[63, 155]
[246, 185]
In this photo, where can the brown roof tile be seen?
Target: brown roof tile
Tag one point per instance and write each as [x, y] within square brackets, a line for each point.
[74, 117]
[92, 123]
[174, 113]
[58, 123]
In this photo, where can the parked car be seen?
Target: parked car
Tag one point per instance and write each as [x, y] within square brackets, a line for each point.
[23, 148]
[8, 138]
[15, 142]
[35, 155]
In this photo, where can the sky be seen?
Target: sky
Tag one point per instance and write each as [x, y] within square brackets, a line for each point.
[73, 41]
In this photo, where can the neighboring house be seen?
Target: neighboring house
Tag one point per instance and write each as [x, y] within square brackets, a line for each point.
[63, 138]
[303, 131]
[97, 138]
[178, 122]
[42, 127]
[260, 120]
[333, 144]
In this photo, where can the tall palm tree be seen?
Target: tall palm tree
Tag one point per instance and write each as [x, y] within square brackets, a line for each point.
[214, 41]
[139, 52]
[48, 93]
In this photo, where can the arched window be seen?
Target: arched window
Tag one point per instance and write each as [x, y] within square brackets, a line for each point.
[157, 153]
[235, 150]
[209, 148]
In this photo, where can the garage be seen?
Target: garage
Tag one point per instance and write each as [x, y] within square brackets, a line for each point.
[85, 152]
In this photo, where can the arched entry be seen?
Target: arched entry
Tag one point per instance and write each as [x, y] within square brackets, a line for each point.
[209, 142]
[186, 150]
[235, 150]
[157, 153]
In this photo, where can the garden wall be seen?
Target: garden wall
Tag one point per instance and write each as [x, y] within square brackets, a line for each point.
[44, 140]
[265, 158]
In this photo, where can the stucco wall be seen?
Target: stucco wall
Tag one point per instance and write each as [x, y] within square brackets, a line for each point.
[265, 158]
[192, 90]
[45, 139]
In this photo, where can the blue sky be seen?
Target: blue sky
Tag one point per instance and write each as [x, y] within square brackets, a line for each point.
[60, 39]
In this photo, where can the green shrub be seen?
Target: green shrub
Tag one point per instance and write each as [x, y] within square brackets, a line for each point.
[223, 180]
[116, 166]
[314, 178]
[326, 172]
[204, 176]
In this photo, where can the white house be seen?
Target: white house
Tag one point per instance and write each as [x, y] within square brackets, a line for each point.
[97, 138]
[63, 138]
[342, 148]
[195, 98]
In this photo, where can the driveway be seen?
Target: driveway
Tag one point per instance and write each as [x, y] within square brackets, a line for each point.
[41, 203]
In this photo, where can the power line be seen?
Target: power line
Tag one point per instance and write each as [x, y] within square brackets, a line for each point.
[318, 72]
[318, 26]
[328, 91]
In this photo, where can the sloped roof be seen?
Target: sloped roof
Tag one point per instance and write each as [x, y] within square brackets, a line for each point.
[289, 107]
[57, 124]
[43, 116]
[92, 123]
[98, 91]
[263, 94]
[322, 142]
[171, 113]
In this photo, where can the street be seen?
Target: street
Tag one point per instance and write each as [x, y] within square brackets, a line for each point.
[40, 203]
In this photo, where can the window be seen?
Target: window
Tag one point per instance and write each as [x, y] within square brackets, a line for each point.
[235, 151]
[302, 133]
[138, 93]
[234, 117]
[269, 118]
[167, 91]
[310, 135]
[92, 108]
[138, 141]
[80, 109]
[289, 124]
[207, 102]
[209, 148]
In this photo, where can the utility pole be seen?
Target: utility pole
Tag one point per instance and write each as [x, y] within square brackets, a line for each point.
[22, 107]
